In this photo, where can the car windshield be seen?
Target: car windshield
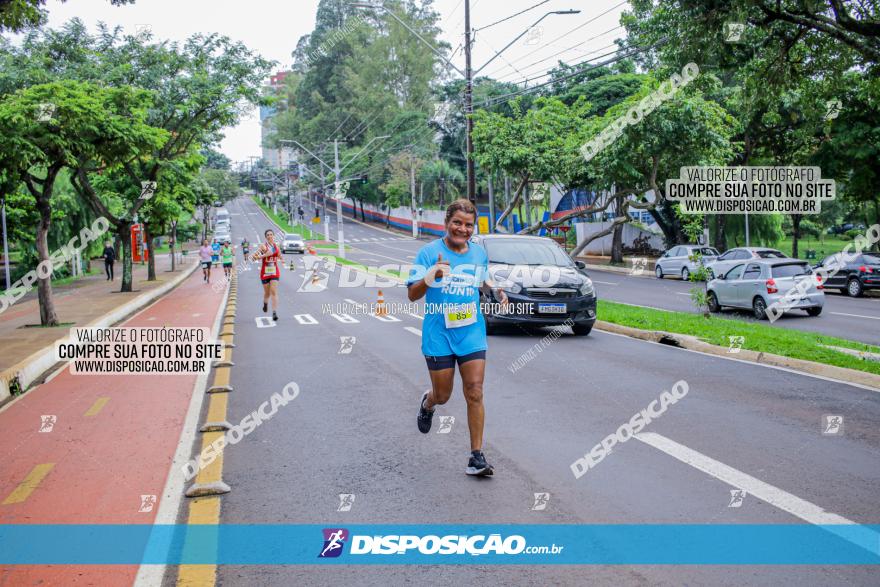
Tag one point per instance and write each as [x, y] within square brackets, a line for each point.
[790, 270]
[526, 252]
[770, 254]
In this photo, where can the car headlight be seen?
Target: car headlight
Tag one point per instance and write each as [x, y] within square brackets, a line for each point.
[586, 288]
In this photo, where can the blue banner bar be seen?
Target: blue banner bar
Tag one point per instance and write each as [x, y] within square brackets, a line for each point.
[639, 544]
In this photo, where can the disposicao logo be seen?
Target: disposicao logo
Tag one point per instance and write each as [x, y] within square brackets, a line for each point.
[334, 540]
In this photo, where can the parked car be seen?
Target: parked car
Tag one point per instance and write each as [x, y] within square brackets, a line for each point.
[570, 297]
[861, 273]
[759, 283]
[293, 243]
[223, 224]
[680, 260]
[218, 204]
[737, 255]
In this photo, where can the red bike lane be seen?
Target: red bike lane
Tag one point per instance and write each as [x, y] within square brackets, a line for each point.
[106, 445]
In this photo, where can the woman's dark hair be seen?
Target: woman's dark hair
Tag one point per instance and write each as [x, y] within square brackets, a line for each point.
[460, 205]
[268, 230]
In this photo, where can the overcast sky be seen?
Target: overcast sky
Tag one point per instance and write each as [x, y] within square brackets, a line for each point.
[272, 27]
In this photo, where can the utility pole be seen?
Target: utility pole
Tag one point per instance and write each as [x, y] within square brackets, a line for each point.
[507, 198]
[491, 206]
[469, 104]
[339, 233]
[5, 245]
[412, 188]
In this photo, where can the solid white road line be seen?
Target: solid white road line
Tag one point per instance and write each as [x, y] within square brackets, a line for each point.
[794, 505]
[856, 315]
[603, 282]
[415, 331]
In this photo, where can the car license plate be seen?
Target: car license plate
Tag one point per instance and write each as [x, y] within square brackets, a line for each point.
[552, 308]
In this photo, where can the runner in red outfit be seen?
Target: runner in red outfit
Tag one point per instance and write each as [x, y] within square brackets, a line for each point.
[270, 271]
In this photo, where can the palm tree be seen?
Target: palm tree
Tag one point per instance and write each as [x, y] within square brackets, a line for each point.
[442, 178]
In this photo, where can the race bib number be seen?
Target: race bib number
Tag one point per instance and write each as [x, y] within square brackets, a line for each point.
[459, 316]
[270, 270]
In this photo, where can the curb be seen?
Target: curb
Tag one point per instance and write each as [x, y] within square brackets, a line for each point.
[29, 369]
[615, 269]
[695, 344]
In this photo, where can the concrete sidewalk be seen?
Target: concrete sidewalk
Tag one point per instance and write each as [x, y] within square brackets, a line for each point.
[77, 303]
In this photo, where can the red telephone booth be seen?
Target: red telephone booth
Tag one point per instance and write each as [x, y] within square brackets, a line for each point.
[139, 250]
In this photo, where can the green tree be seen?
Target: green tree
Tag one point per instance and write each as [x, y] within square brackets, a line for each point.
[48, 127]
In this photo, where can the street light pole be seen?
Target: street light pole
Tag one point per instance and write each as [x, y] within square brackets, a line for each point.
[5, 245]
[340, 237]
[469, 105]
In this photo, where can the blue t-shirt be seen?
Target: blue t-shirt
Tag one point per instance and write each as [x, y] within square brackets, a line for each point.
[460, 289]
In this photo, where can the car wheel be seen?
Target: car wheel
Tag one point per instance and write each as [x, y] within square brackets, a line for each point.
[713, 302]
[854, 288]
[658, 271]
[759, 308]
[581, 329]
[814, 311]
[685, 274]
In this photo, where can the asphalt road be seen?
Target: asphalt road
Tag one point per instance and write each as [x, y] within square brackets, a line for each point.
[352, 430]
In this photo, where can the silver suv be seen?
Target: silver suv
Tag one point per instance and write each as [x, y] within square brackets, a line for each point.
[679, 260]
[762, 283]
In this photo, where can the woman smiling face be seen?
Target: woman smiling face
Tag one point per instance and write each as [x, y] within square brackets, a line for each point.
[460, 228]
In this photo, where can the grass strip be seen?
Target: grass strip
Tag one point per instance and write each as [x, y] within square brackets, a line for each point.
[759, 337]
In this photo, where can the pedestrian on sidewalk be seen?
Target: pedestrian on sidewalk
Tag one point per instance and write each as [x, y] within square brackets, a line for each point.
[109, 256]
[206, 255]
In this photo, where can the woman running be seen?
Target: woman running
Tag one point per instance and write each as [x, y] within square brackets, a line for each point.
[205, 256]
[270, 271]
[450, 271]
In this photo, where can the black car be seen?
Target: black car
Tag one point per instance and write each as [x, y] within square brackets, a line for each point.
[540, 279]
[861, 273]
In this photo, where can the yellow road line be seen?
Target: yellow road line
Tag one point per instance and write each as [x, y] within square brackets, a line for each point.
[97, 406]
[30, 483]
[206, 510]
[202, 510]
[217, 407]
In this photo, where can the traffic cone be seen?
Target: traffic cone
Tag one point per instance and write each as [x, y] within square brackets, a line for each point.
[381, 309]
[292, 265]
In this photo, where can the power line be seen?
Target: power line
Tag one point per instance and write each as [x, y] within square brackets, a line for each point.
[511, 16]
[573, 47]
[577, 28]
[621, 56]
[549, 71]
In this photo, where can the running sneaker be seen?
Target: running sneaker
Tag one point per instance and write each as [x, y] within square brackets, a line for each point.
[425, 416]
[478, 466]
[265, 307]
[274, 316]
